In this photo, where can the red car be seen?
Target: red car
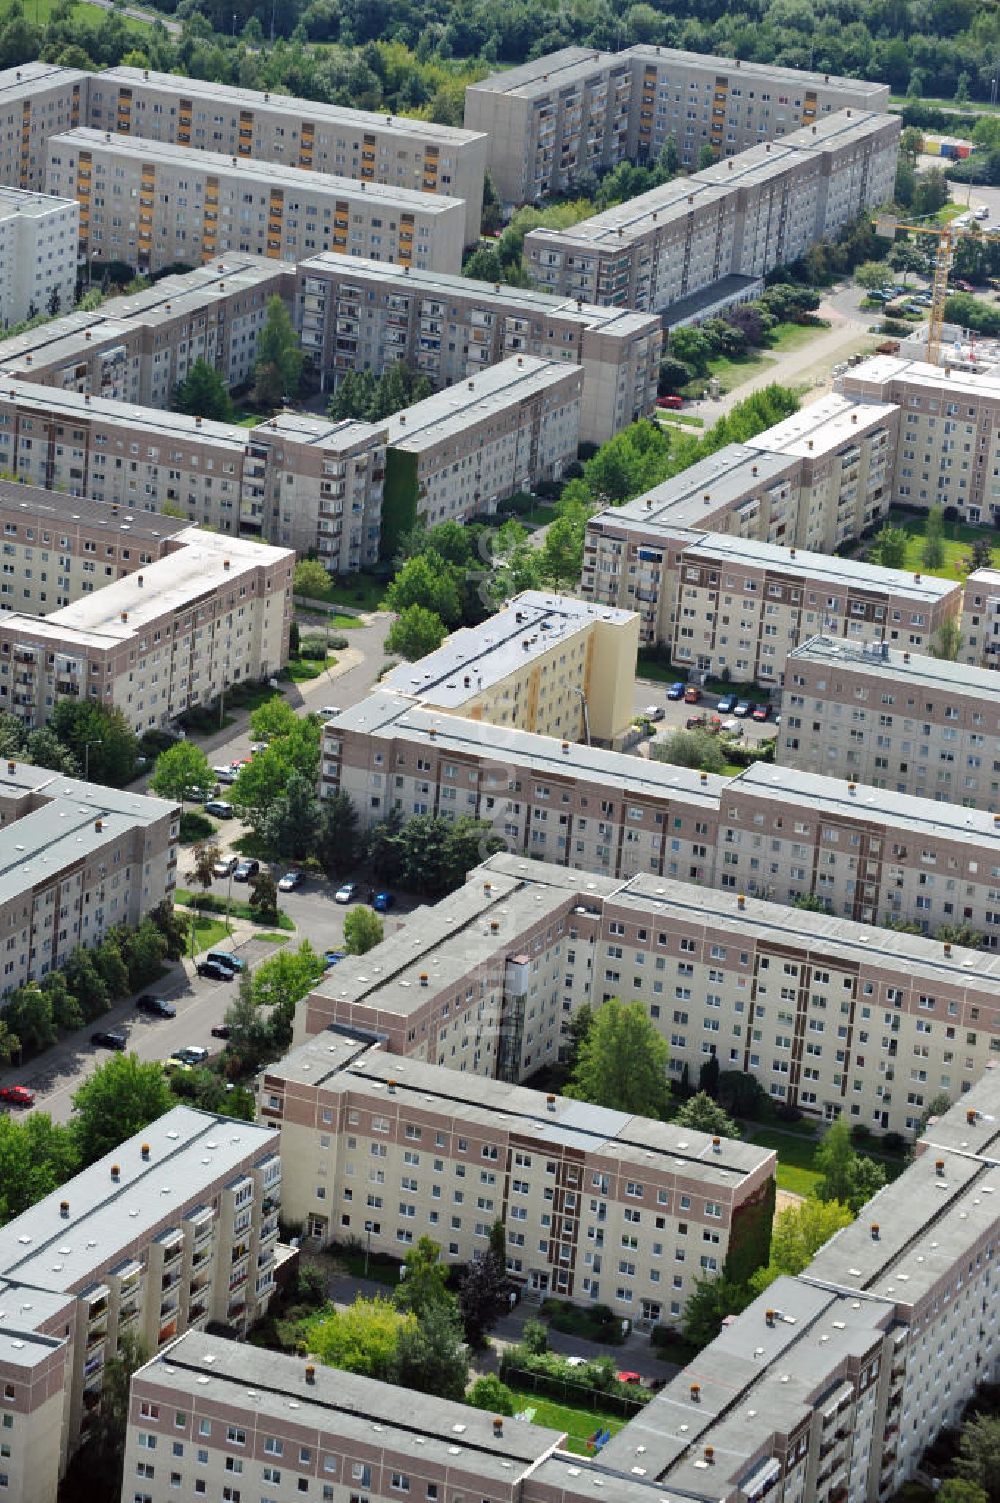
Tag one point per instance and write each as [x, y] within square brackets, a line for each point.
[628, 1377]
[673, 403]
[761, 712]
[17, 1095]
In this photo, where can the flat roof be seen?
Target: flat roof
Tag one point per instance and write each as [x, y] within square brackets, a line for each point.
[388, 714]
[551, 72]
[312, 431]
[821, 568]
[14, 201]
[335, 1063]
[22, 779]
[28, 78]
[22, 1313]
[152, 422]
[187, 1148]
[943, 381]
[733, 474]
[831, 798]
[711, 62]
[43, 846]
[530, 625]
[38, 508]
[405, 126]
[623, 322]
[877, 660]
[252, 169]
[496, 389]
[446, 1436]
[824, 426]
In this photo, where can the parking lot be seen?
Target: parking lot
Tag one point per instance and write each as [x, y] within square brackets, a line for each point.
[651, 692]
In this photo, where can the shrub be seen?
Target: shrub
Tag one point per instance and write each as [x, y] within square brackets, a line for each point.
[313, 646]
[488, 1392]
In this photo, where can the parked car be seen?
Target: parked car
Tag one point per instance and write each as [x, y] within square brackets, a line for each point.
[982, 212]
[258, 746]
[196, 795]
[346, 893]
[676, 691]
[672, 402]
[226, 958]
[213, 971]
[110, 1038]
[653, 712]
[221, 1031]
[330, 712]
[742, 709]
[732, 727]
[192, 1054]
[962, 285]
[332, 958]
[17, 1095]
[628, 1376]
[224, 774]
[245, 870]
[225, 866]
[692, 694]
[383, 901]
[219, 808]
[704, 722]
[762, 712]
[290, 881]
[157, 1007]
[727, 704]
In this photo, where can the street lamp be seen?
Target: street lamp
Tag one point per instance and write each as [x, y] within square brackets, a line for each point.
[86, 755]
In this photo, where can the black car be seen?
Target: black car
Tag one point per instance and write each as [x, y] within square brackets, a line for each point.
[157, 1007]
[221, 1031]
[110, 1038]
[214, 971]
[246, 870]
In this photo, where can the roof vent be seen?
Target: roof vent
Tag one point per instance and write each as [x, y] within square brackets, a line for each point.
[144, 1150]
[310, 1373]
[116, 1173]
[391, 1086]
[98, 825]
[716, 1145]
[947, 947]
[769, 1317]
[939, 1166]
[225, 563]
[550, 1102]
[916, 579]
[424, 978]
[472, 385]
[710, 1454]
[741, 901]
[88, 334]
[695, 1393]
[494, 926]
[64, 1209]
[124, 615]
[704, 779]
[875, 1231]
[12, 768]
[497, 1426]
[139, 580]
[487, 887]
[971, 1117]
[565, 747]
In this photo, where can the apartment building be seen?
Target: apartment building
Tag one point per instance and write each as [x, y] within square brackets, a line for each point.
[139, 347]
[37, 100]
[947, 446]
[354, 314]
[546, 663]
[915, 724]
[419, 155]
[980, 638]
[597, 1205]
[151, 204]
[76, 859]
[737, 219]
[579, 111]
[210, 613]
[219, 1414]
[38, 236]
[176, 1227]
[460, 452]
[295, 481]
[727, 604]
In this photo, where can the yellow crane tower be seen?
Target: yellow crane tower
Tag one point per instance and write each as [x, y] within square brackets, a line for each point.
[947, 236]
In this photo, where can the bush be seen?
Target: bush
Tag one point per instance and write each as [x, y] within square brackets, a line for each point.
[490, 1393]
[313, 646]
[551, 1375]
[535, 1338]
[338, 644]
[894, 1142]
[787, 1113]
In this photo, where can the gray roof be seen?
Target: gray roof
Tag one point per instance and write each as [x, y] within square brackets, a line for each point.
[77, 406]
[27, 78]
[31, 205]
[724, 478]
[895, 669]
[552, 71]
[251, 169]
[338, 1063]
[22, 1312]
[822, 568]
[46, 1250]
[798, 78]
[40, 508]
[434, 1431]
[497, 389]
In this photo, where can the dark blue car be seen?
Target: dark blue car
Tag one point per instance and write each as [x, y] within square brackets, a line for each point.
[383, 901]
[676, 691]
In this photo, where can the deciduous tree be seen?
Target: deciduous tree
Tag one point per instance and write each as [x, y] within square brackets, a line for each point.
[203, 393]
[181, 767]
[622, 1062]
[415, 632]
[848, 1176]
[363, 930]
[279, 357]
[119, 1099]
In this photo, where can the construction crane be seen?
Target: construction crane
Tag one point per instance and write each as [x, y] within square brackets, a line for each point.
[947, 236]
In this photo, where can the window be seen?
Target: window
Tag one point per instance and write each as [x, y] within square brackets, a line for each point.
[400, 1482]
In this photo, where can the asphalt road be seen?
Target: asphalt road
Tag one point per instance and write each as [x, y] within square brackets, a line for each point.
[676, 713]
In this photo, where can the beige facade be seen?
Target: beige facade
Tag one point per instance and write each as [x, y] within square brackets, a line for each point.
[546, 663]
[76, 859]
[419, 155]
[980, 639]
[295, 481]
[737, 219]
[38, 236]
[947, 447]
[176, 1227]
[37, 100]
[354, 314]
[138, 347]
[597, 1205]
[463, 450]
[897, 720]
[151, 204]
[577, 111]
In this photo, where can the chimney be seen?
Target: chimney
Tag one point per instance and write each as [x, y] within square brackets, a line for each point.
[906, 657]
[487, 887]
[753, 469]
[98, 825]
[497, 1426]
[971, 1117]
[391, 1085]
[11, 769]
[310, 1373]
[710, 1454]
[225, 563]
[939, 1166]
[402, 417]
[197, 422]
[741, 902]
[88, 334]
[432, 732]
[565, 747]
[116, 1173]
[791, 553]
[704, 779]
[854, 417]
[550, 1102]
[64, 1209]
[852, 788]
[875, 1231]
[716, 1145]
[947, 947]
[124, 615]
[423, 978]
[809, 443]
[769, 1317]
[139, 580]
[916, 579]
[695, 1393]
[144, 1150]
[472, 385]
[494, 926]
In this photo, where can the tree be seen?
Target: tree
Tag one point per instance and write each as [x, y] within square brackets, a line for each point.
[981, 556]
[282, 980]
[960, 934]
[95, 1472]
[279, 358]
[260, 783]
[291, 825]
[709, 1302]
[706, 1115]
[489, 1393]
[415, 632]
[337, 841]
[29, 1015]
[907, 258]
[10, 1044]
[363, 930]
[86, 984]
[482, 1294]
[310, 579]
[180, 768]
[203, 393]
[706, 157]
[36, 1157]
[250, 1042]
[622, 1062]
[873, 276]
[273, 720]
[361, 1339]
[799, 1233]
[204, 856]
[947, 640]
[431, 1356]
[263, 898]
[889, 548]
[113, 745]
[957, 1490]
[429, 581]
[848, 1177]
[743, 1095]
[111, 967]
[978, 1459]
[932, 553]
[691, 749]
[44, 749]
[423, 1283]
[117, 1101]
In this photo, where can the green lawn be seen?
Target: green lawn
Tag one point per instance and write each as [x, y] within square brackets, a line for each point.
[301, 670]
[196, 826]
[90, 17]
[208, 932]
[272, 939]
[795, 1159]
[365, 591]
[209, 903]
[578, 1423]
[793, 336]
[732, 373]
[959, 537]
[679, 419]
[337, 621]
[244, 419]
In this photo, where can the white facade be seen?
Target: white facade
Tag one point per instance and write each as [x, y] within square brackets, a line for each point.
[38, 237]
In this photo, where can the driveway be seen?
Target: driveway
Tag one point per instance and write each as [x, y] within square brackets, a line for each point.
[676, 713]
